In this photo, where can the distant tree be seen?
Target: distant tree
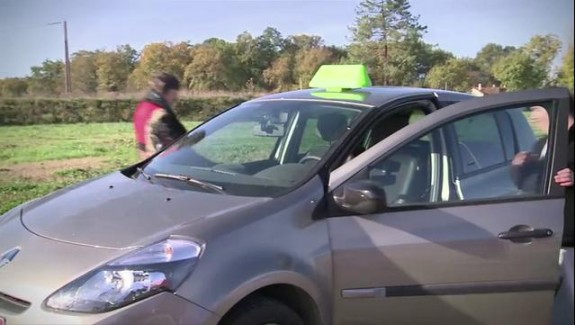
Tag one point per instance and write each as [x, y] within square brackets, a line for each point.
[543, 49]
[414, 59]
[249, 58]
[83, 68]
[491, 53]
[161, 57]
[253, 55]
[13, 87]
[382, 34]
[519, 71]
[486, 59]
[340, 53]
[295, 43]
[402, 66]
[271, 42]
[308, 60]
[129, 55]
[280, 75]
[432, 56]
[212, 67]
[566, 71]
[47, 79]
[386, 36]
[455, 74]
[115, 68]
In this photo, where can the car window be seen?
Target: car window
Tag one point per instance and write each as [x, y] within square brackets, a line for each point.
[251, 149]
[479, 142]
[386, 126]
[430, 170]
[312, 138]
[236, 144]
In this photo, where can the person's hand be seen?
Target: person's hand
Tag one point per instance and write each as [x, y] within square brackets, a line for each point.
[564, 177]
[520, 158]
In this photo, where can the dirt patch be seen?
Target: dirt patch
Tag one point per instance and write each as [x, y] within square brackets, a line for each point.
[46, 170]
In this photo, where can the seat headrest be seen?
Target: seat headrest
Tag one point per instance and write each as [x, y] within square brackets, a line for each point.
[331, 126]
[388, 126]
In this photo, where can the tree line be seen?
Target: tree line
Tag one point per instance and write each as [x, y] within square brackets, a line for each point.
[386, 37]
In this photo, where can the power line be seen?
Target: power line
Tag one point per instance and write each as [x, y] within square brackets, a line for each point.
[68, 79]
[18, 28]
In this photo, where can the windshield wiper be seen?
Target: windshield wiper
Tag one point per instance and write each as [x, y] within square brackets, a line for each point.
[189, 180]
[141, 171]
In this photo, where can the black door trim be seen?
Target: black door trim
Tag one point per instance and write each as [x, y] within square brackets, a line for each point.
[449, 289]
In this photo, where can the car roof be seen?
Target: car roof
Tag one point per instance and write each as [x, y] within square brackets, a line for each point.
[368, 96]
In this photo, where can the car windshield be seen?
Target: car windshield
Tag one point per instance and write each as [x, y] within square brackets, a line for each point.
[261, 148]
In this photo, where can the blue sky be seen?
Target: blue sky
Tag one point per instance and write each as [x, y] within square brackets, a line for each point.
[459, 26]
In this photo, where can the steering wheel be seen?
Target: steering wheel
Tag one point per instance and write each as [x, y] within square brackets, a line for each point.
[306, 158]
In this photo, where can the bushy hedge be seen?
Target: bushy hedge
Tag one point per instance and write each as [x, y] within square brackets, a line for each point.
[61, 111]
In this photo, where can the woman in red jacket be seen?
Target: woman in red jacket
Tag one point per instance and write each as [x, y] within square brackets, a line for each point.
[156, 124]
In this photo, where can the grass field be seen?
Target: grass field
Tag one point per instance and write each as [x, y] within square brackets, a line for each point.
[36, 160]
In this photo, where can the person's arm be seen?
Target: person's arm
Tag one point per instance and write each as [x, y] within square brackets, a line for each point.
[526, 165]
[518, 167]
[164, 129]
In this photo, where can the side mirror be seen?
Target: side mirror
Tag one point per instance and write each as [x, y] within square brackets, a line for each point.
[361, 197]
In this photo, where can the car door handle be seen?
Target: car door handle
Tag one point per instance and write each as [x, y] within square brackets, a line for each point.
[522, 232]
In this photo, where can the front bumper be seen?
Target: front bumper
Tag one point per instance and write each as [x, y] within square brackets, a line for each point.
[43, 266]
[163, 308]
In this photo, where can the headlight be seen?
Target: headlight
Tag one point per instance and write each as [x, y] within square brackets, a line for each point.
[159, 267]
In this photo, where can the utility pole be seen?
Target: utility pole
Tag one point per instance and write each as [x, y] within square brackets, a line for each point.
[67, 74]
[67, 60]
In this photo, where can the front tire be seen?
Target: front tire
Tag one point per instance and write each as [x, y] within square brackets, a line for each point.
[262, 311]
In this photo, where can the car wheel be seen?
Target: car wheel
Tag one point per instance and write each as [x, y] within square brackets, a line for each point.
[262, 311]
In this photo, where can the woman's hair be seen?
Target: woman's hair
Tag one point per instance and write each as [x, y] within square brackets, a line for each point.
[163, 82]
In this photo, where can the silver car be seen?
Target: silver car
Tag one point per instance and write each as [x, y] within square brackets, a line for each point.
[371, 205]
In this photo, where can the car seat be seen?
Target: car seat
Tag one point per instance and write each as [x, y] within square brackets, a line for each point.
[401, 168]
[330, 127]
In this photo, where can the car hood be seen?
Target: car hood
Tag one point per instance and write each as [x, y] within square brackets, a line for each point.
[119, 212]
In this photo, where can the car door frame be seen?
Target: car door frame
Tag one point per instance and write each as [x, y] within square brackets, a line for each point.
[449, 114]
[457, 111]
[428, 100]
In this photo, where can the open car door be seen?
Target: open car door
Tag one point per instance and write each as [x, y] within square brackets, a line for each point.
[468, 227]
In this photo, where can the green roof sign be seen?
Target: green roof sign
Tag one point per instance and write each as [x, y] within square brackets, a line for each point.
[335, 78]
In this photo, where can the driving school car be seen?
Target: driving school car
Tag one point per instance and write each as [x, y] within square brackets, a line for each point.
[340, 204]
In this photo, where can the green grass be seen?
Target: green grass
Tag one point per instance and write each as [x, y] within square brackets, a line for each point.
[24, 144]
[236, 143]
[111, 143]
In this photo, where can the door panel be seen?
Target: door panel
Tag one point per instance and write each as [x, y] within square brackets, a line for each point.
[454, 310]
[445, 261]
[445, 257]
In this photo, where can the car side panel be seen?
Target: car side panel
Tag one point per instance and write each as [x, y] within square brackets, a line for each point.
[275, 243]
[456, 309]
[445, 265]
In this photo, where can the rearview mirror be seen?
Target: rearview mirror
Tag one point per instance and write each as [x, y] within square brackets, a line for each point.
[361, 197]
[268, 130]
